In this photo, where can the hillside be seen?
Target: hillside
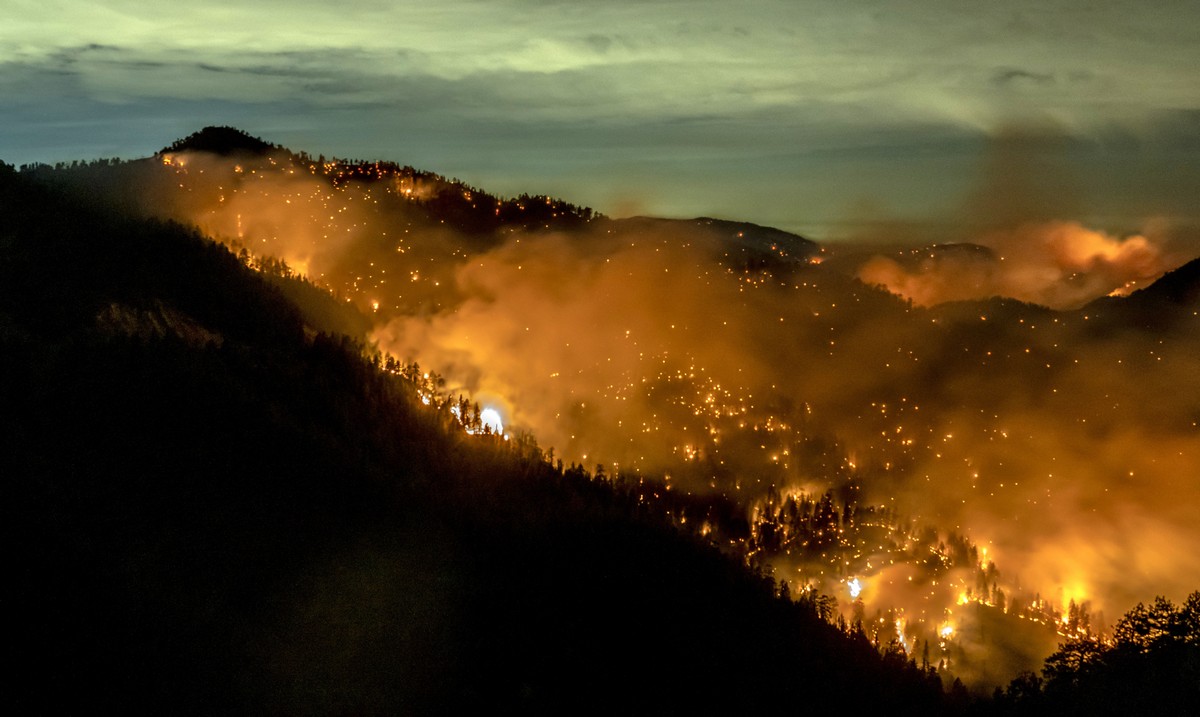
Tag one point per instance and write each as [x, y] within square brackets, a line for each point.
[217, 509]
[1168, 302]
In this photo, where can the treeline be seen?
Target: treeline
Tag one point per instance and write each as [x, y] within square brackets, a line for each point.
[1151, 666]
[468, 209]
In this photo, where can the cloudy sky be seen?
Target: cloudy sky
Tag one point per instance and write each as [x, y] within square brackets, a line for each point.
[822, 117]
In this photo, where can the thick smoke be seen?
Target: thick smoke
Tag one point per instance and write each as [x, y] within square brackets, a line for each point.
[578, 334]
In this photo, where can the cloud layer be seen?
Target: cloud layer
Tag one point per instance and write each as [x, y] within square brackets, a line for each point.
[785, 113]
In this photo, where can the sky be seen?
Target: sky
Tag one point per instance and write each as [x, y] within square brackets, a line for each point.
[832, 119]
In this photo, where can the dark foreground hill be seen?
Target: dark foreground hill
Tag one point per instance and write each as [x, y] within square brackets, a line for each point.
[212, 508]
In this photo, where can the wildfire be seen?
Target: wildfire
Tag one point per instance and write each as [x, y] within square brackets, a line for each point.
[902, 634]
[723, 428]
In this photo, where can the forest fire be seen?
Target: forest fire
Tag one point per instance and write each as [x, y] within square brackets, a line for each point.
[871, 385]
[863, 437]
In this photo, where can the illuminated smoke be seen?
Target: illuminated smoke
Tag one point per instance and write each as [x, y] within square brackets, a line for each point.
[1061, 265]
[1013, 236]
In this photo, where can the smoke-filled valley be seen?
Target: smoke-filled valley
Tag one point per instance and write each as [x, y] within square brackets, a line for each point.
[977, 448]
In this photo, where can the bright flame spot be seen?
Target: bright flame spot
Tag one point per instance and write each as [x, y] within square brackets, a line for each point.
[901, 627]
[490, 418]
[947, 631]
[855, 587]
